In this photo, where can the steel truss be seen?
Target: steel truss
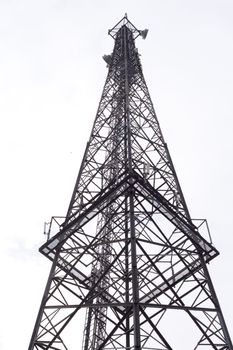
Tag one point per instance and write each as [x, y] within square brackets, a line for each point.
[128, 251]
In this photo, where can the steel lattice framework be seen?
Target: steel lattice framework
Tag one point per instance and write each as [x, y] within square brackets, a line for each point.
[128, 251]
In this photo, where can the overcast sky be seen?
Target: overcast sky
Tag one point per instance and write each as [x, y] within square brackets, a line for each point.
[51, 78]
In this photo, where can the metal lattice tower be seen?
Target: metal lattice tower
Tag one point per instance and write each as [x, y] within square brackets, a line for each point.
[128, 252]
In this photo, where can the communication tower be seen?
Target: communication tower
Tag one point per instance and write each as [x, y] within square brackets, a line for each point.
[128, 251]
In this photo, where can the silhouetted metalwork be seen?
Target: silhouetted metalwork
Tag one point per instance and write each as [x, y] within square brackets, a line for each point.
[128, 251]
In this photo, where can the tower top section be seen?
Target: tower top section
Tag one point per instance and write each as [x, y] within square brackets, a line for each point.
[126, 22]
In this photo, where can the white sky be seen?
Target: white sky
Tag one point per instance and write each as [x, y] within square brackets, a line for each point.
[51, 79]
